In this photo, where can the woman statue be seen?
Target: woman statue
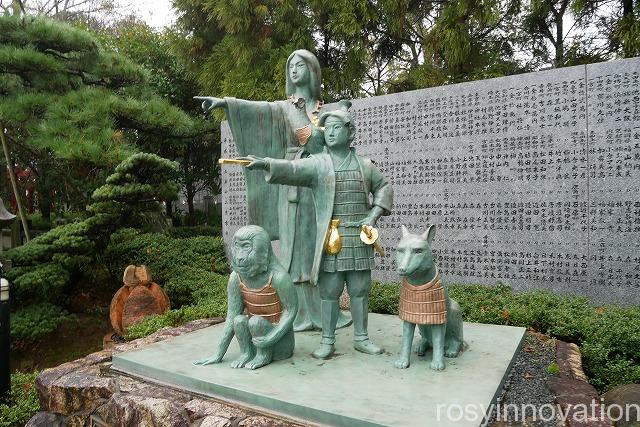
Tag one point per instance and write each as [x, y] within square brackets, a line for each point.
[285, 130]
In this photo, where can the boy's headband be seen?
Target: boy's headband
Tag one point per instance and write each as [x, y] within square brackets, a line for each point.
[342, 113]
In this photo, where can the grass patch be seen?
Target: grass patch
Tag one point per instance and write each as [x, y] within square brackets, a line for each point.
[23, 401]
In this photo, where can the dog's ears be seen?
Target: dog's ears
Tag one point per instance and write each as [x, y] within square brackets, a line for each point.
[405, 232]
[429, 234]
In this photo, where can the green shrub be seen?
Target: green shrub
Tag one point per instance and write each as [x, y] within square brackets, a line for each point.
[199, 230]
[610, 347]
[49, 265]
[211, 294]
[38, 223]
[553, 368]
[48, 278]
[384, 298]
[191, 286]
[187, 268]
[23, 401]
[34, 321]
[181, 266]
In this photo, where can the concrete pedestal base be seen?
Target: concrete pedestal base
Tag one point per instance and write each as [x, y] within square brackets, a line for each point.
[351, 389]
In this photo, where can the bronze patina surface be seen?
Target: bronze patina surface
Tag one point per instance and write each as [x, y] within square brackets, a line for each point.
[424, 304]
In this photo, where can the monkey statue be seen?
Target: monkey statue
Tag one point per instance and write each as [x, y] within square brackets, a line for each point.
[262, 287]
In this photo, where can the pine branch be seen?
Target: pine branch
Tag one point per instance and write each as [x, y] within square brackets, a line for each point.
[21, 5]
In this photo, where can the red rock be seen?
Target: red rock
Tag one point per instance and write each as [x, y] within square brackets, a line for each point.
[140, 305]
[117, 307]
[137, 299]
[160, 296]
[134, 276]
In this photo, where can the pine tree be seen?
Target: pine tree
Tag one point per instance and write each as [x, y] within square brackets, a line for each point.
[73, 110]
[43, 269]
[170, 79]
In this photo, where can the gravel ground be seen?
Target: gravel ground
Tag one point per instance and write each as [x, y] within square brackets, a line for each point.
[526, 385]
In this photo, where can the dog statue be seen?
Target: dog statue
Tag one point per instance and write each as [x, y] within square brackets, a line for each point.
[425, 302]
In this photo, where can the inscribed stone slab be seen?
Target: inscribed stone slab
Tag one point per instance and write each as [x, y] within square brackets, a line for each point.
[531, 179]
[613, 99]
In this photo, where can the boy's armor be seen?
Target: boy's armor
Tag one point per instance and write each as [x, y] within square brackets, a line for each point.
[350, 206]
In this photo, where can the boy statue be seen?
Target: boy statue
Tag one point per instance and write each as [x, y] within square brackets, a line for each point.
[261, 286]
[341, 183]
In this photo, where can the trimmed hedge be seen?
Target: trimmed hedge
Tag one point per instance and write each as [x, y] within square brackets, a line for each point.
[211, 297]
[183, 267]
[192, 271]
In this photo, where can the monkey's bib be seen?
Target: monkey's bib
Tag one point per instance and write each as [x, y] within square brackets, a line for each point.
[263, 302]
[423, 304]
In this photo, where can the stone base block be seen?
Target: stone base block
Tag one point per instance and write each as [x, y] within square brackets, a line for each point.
[351, 389]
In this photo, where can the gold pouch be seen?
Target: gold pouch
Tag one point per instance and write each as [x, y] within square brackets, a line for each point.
[333, 242]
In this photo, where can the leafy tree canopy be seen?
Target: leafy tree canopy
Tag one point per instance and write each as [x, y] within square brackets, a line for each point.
[372, 47]
[169, 78]
[72, 109]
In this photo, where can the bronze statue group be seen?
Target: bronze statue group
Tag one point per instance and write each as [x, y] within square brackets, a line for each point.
[308, 188]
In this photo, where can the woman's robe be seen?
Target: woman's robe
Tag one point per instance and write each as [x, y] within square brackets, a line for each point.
[287, 213]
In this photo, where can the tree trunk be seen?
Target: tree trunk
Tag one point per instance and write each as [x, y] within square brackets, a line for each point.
[627, 8]
[559, 45]
[190, 209]
[44, 201]
[14, 185]
[45, 188]
[18, 7]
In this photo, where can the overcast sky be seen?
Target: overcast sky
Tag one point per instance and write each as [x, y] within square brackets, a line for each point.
[156, 13]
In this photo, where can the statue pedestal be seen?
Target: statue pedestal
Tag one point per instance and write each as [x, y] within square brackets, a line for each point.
[351, 389]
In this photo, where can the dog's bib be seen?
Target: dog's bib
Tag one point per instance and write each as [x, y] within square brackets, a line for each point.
[423, 304]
